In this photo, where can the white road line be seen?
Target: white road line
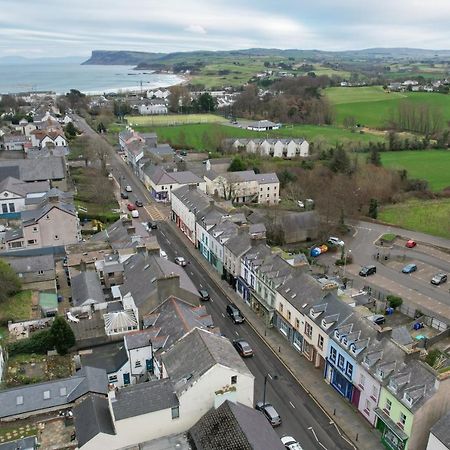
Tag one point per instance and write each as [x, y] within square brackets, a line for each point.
[201, 285]
[212, 301]
[237, 334]
[192, 273]
[315, 437]
[223, 315]
[292, 404]
[270, 376]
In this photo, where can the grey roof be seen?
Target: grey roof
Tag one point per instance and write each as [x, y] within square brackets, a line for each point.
[27, 443]
[34, 215]
[265, 178]
[92, 416]
[21, 188]
[441, 429]
[46, 152]
[31, 263]
[193, 198]
[86, 286]
[109, 357]
[402, 336]
[29, 398]
[240, 427]
[262, 124]
[159, 176]
[239, 244]
[143, 398]
[205, 350]
[138, 339]
[12, 235]
[161, 150]
[19, 138]
[51, 168]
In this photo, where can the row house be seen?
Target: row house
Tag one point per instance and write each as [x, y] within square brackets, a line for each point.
[279, 148]
[152, 107]
[15, 142]
[127, 136]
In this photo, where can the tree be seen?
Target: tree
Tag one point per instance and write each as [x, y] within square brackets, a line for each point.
[76, 99]
[374, 157]
[9, 281]
[285, 177]
[62, 335]
[204, 103]
[394, 301]
[237, 165]
[349, 122]
[70, 130]
[101, 128]
[373, 208]
[340, 162]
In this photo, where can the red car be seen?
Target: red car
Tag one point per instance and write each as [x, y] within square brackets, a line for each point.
[410, 243]
[131, 207]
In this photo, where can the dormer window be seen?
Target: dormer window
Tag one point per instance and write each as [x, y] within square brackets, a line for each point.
[408, 399]
[336, 334]
[366, 361]
[353, 348]
[380, 373]
[393, 386]
[344, 341]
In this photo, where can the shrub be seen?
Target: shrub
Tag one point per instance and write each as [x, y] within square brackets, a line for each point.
[39, 342]
[432, 357]
[394, 301]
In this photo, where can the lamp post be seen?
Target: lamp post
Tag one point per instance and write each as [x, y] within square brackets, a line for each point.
[272, 377]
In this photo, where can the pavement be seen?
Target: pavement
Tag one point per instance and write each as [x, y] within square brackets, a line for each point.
[350, 424]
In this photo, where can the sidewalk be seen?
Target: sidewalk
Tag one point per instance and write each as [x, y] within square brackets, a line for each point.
[354, 426]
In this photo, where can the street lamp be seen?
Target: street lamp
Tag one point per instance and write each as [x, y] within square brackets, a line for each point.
[272, 377]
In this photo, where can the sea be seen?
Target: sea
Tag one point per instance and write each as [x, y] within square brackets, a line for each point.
[89, 79]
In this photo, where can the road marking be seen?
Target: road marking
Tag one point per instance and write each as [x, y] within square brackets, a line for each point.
[212, 301]
[315, 437]
[201, 285]
[355, 233]
[270, 376]
[237, 334]
[292, 404]
[223, 315]
[192, 273]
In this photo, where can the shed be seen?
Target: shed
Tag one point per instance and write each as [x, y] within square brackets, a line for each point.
[48, 302]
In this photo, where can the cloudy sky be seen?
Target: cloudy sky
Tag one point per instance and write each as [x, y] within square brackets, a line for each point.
[38, 28]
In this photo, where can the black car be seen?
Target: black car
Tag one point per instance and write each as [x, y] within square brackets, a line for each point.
[124, 195]
[367, 270]
[138, 203]
[204, 295]
[235, 314]
[439, 278]
[152, 225]
[243, 348]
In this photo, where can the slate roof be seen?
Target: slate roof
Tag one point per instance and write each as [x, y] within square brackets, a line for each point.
[234, 427]
[31, 264]
[441, 429]
[144, 398]
[162, 150]
[21, 188]
[109, 357]
[205, 350]
[262, 124]
[51, 168]
[91, 417]
[266, 178]
[239, 244]
[195, 199]
[34, 215]
[86, 286]
[27, 443]
[160, 176]
[12, 235]
[62, 392]
[138, 339]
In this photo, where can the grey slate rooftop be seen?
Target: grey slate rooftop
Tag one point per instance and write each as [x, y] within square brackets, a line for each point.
[441, 429]
[31, 263]
[144, 398]
[109, 357]
[86, 286]
[51, 168]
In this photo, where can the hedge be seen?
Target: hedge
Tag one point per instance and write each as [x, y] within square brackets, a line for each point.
[39, 342]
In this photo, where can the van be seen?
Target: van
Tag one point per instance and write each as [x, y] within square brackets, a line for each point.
[367, 270]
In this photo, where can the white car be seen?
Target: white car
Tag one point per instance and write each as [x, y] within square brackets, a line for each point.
[163, 254]
[180, 261]
[336, 241]
[135, 214]
[290, 443]
[300, 204]
[128, 188]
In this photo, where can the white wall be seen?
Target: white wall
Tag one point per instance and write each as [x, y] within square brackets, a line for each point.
[435, 444]
[7, 197]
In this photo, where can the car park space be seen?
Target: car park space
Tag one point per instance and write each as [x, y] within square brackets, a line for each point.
[424, 272]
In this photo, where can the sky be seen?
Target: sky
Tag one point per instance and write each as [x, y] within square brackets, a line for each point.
[42, 28]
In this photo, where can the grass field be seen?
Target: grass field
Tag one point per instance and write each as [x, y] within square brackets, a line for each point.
[373, 107]
[17, 307]
[173, 119]
[432, 216]
[430, 165]
[200, 136]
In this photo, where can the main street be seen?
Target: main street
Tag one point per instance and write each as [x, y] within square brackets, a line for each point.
[301, 416]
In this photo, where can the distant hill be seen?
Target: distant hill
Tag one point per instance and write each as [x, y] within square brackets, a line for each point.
[146, 60]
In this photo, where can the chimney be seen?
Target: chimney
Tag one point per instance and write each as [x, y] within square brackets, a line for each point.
[192, 187]
[131, 231]
[126, 221]
[141, 249]
[112, 392]
[212, 202]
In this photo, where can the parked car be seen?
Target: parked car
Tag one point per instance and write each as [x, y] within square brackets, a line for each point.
[300, 204]
[163, 254]
[290, 443]
[243, 348]
[439, 278]
[152, 225]
[131, 207]
[124, 195]
[110, 176]
[235, 314]
[409, 268]
[270, 412]
[135, 214]
[138, 203]
[128, 188]
[410, 243]
[378, 319]
[180, 261]
[204, 295]
[367, 270]
[183, 153]
[336, 241]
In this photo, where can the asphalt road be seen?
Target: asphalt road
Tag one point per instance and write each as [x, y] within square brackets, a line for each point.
[301, 417]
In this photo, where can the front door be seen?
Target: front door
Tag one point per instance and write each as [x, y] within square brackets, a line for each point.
[126, 379]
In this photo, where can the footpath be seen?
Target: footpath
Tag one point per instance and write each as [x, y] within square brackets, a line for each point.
[350, 424]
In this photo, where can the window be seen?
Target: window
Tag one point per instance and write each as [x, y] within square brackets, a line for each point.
[349, 370]
[289, 315]
[268, 188]
[137, 364]
[175, 412]
[46, 395]
[374, 391]
[341, 362]
[40, 272]
[4, 208]
[234, 379]
[297, 323]
[308, 329]
[56, 237]
[63, 391]
[320, 342]
[19, 400]
[112, 378]
[402, 419]
[34, 229]
[12, 207]
[281, 307]
[31, 241]
[362, 380]
[268, 195]
[333, 354]
[388, 406]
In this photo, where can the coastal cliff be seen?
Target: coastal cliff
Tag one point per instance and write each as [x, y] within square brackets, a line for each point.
[121, 57]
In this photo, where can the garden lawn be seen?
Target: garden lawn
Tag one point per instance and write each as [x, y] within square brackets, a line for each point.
[17, 307]
[206, 136]
[173, 119]
[431, 216]
[430, 165]
[372, 107]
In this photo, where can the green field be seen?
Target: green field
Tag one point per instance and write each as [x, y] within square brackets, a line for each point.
[173, 119]
[16, 308]
[430, 165]
[204, 136]
[373, 107]
[432, 216]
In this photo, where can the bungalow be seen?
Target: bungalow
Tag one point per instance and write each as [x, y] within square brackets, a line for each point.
[15, 142]
[263, 125]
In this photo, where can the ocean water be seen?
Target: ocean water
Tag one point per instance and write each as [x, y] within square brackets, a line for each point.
[60, 78]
